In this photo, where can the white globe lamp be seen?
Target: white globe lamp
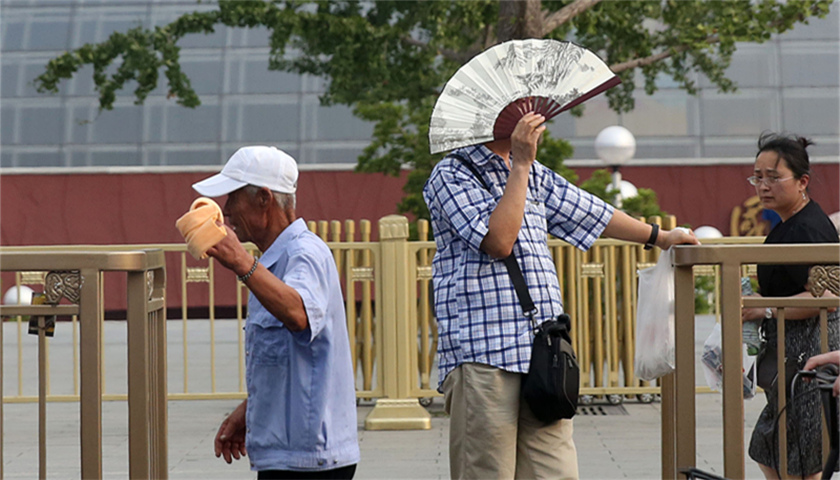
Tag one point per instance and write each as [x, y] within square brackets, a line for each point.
[628, 190]
[11, 296]
[615, 146]
[706, 232]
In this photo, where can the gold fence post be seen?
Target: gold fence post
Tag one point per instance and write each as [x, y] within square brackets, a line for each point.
[733, 383]
[685, 414]
[138, 376]
[396, 411]
[90, 398]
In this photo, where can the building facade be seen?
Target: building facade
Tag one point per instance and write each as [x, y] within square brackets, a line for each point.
[788, 83]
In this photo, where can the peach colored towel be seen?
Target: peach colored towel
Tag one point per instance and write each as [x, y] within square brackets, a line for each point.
[198, 226]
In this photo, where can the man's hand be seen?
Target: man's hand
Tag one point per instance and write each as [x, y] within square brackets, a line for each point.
[523, 141]
[676, 236]
[230, 439]
[231, 253]
[823, 359]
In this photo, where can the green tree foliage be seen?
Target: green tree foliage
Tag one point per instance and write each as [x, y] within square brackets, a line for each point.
[388, 60]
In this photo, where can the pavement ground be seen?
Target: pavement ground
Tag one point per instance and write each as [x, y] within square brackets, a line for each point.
[613, 441]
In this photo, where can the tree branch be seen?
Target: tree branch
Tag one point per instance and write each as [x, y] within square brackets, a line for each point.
[641, 62]
[550, 22]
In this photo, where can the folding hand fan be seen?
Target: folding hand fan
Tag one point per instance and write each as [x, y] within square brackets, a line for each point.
[485, 98]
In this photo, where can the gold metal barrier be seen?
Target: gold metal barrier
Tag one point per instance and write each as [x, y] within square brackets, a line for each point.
[76, 278]
[678, 405]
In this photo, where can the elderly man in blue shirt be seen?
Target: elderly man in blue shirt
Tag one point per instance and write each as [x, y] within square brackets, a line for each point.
[299, 420]
[485, 340]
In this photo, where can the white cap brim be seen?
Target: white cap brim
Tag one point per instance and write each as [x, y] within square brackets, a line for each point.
[217, 185]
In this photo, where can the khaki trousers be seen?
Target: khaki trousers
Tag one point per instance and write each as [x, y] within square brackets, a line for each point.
[494, 435]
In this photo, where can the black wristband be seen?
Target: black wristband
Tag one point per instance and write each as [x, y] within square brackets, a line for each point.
[653, 234]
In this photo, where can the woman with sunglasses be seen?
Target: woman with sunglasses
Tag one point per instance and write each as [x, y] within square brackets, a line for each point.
[781, 177]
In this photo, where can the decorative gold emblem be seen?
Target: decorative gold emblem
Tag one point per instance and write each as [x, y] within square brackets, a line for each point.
[198, 274]
[822, 278]
[362, 273]
[67, 284]
[746, 219]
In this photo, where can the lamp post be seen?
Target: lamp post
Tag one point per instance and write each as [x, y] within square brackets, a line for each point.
[615, 146]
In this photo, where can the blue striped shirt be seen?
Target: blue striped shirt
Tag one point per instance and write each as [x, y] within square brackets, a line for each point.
[478, 313]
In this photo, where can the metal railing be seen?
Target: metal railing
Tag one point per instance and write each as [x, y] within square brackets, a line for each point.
[388, 300]
[678, 389]
[76, 277]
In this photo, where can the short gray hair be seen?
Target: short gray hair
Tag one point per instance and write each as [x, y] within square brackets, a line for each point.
[285, 201]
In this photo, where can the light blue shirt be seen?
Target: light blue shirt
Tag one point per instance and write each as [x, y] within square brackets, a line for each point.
[301, 392]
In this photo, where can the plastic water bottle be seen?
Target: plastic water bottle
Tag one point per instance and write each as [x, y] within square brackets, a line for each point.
[749, 330]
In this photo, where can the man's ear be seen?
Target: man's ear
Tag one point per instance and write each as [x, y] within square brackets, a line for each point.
[265, 197]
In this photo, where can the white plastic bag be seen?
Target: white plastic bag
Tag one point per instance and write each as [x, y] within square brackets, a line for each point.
[712, 361]
[655, 320]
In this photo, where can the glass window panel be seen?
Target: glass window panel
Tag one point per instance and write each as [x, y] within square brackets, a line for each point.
[597, 115]
[12, 35]
[41, 126]
[666, 148]
[256, 37]
[257, 78]
[40, 159]
[49, 34]
[9, 72]
[205, 73]
[192, 157]
[81, 122]
[110, 25]
[824, 147]
[752, 66]
[80, 158]
[6, 160]
[153, 157]
[120, 125]
[815, 112]
[31, 70]
[154, 123]
[115, 158]
[810, 66]
[666, 112]
[335, 123]
[192, 124]
[735, 147]
[333, 155]
[562, 126]
[817, 28]
[85, 31]
[82, 83]
[268, 123]
[745, 113]
[7, 125]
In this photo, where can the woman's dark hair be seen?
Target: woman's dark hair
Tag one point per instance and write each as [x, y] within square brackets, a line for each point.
[790, 148]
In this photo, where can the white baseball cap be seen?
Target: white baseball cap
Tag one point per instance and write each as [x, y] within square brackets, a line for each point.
[257, 165]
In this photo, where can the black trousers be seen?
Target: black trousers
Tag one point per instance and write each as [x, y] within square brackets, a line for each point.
[343, 473]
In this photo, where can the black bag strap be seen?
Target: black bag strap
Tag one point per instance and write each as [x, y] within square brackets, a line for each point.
[515, 273]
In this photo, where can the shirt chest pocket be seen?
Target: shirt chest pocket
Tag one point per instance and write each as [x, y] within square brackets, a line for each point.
[534, 212]
[269, 345]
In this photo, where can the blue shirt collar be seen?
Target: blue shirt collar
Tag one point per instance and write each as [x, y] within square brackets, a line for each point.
[270, 256]
[479, 154]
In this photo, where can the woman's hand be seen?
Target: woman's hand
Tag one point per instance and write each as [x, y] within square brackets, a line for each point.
[752, 314]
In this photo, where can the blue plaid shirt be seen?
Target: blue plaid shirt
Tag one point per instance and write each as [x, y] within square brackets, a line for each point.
[478, 313]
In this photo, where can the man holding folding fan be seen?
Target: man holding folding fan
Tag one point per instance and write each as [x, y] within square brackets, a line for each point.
[485, 340]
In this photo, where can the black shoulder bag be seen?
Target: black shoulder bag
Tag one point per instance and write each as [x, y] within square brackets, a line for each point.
[552, 384]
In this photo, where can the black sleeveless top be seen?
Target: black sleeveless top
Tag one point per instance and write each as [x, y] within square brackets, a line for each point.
[809, 225]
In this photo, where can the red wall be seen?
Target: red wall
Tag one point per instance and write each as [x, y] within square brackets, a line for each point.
[142, 208]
